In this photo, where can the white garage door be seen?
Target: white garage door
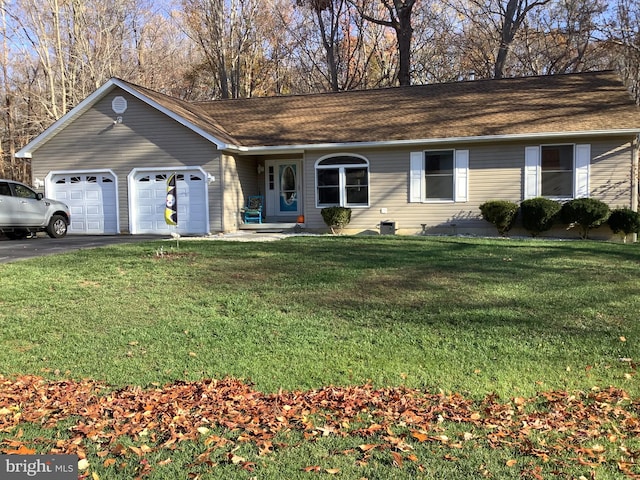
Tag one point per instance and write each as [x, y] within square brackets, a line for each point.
[148, 193]
[92, 200]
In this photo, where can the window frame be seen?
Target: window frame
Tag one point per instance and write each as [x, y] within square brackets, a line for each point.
[572, 171]
[427, 199]
[342, 179]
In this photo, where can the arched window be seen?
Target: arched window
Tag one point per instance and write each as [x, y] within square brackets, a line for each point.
[342, 180]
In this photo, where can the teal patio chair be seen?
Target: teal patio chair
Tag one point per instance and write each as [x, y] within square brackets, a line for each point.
[252, 213]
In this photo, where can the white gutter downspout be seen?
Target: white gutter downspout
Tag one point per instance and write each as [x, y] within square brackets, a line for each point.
[635, 173]
[222, 192]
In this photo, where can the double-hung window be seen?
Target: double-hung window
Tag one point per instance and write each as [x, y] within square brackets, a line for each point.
[439, 176]
[557, 171]
[556, 166]
[438, 172]
[342, 180]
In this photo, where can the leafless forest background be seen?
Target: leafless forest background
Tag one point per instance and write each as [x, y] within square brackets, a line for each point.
[56, 52]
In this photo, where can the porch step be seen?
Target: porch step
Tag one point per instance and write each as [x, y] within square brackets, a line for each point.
[268, 227]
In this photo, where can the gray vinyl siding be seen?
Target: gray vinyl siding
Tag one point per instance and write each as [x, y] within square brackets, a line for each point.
[240, 181]
[495, 172]
[611, 170]
[146, 138]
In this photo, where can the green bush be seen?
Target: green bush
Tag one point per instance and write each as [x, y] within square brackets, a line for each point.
[625, 221]
[336, 218]
[502, 213]
[586, 213]
[539, 214]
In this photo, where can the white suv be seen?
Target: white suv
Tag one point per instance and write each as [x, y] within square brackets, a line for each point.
[23, 211]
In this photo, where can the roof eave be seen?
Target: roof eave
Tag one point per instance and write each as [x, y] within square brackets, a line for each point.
[301, 148]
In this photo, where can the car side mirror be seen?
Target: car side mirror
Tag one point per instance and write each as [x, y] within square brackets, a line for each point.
[39, 196]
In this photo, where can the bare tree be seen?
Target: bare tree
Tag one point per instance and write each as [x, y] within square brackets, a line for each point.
[338, 49]
[229, 34]
[499, 22]
[437, 47]
[512, 16]
[624, 35]
[328, 15]
[563, 38]
[397, 15]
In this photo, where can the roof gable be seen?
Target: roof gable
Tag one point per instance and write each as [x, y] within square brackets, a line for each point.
[176, 109]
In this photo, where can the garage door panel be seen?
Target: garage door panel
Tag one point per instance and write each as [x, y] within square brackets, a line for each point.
[92, 201]
[150, 194]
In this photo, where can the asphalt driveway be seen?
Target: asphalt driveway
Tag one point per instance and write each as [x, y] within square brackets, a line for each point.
[13, 250]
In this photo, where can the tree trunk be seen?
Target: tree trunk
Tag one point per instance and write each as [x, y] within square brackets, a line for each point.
[404, 34]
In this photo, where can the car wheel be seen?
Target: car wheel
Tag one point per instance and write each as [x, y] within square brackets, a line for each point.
[57, 227]
[17, 234]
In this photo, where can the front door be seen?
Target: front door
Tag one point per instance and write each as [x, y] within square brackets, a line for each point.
[283, 186]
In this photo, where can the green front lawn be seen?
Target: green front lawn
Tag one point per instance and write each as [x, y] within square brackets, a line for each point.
[477, 317]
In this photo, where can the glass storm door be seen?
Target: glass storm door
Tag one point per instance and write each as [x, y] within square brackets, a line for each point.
[288, 186]
[283, 185]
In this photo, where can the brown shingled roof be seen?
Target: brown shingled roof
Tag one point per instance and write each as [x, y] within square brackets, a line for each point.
[595, 101]
[188, 111]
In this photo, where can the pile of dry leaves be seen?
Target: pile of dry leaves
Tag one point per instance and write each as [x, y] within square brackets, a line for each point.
[586, 424]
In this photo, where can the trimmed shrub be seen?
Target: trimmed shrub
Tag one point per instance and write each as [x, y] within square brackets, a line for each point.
[586, 213]
[539, 214]
[502, 213]
[336, 218]
[625, 221]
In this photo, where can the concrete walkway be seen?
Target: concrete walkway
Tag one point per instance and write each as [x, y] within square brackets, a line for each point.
[247, 236]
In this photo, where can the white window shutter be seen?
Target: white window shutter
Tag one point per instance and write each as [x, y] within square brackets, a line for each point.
[581, 171]
[461, 180]
[416, 177]
[531, 172]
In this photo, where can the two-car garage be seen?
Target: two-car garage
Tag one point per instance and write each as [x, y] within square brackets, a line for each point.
[92, 197]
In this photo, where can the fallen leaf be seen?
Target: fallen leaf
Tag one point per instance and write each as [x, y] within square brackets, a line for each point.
[22, 450]
[313, 468]
[136, 450]
[95, 476]
[332, 471]
[83, 464]
[397, 459]
[366, 448]
[511, 463]
[421, 437]
[108, 462]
